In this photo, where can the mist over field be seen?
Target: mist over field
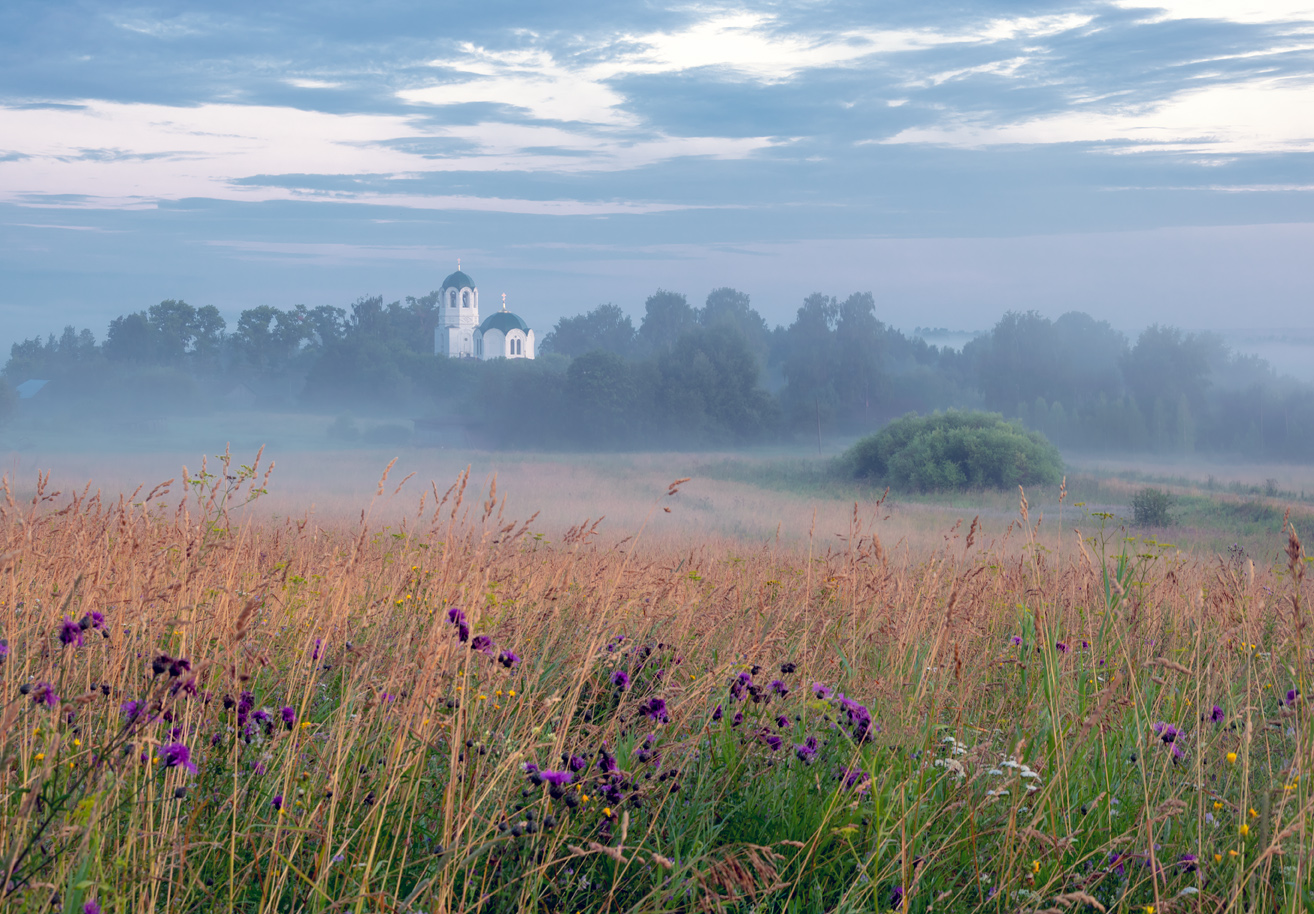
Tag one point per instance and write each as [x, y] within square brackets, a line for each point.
[627, 458]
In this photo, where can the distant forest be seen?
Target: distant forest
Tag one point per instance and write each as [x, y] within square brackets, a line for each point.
[686, 377]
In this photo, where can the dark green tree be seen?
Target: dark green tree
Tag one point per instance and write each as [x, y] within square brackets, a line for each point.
[602, 399]
[666, 315]
[606, 327]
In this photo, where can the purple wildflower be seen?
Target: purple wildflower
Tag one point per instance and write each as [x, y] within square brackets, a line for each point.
[532, 772]
[556, 778]
[92, 620]
[853, 777]
[1217, 715]
[771, 740]
[740, 685]
[717, 714]
[1188, 862]
[607, 762]
[1017, 640]
[779, 688]
[508, 659]
[578, 763]
[859, 718]
[178, 667]
[896, 897]
[318, 642]
[1166, 732]
[130, 710]
[738, 719]
[821, 690]
[456, 616]
[807, 750]
[70, 633]
[1120, 869]
[1292, 695]
[620, 679]
[788, 667]
[782, 722]
[43, 693]
[483, 644]
[289, 717]
[91, 908]
[655, 708]
[177, 755]
[4, 650]
[1062, 647]
[277, 802]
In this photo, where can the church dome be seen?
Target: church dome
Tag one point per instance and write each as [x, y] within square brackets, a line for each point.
[458, 280]
[504, 321]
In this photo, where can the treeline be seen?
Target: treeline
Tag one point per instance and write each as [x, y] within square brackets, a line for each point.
[687, 376]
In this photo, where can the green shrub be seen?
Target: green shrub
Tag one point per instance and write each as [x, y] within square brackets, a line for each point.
[1152, 508]
[954, 450]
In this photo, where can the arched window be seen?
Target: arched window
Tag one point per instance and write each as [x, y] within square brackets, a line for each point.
[465, 299]
[451, 299]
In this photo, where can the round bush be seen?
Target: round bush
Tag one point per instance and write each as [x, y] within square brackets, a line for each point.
[955, 450]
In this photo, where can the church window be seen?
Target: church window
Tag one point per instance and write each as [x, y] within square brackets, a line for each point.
[465, 299]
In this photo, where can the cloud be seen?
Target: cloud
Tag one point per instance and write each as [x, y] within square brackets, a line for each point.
[1260, 116]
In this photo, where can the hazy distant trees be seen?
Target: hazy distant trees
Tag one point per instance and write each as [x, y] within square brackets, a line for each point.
[606, 327]
[708, 376]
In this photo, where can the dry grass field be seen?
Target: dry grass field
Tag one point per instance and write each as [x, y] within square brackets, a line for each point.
[422, 698]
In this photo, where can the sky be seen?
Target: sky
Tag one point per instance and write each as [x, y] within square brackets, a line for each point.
[1141, 161]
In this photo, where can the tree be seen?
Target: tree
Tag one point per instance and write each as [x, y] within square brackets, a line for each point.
[601, 397]
[859, 380]
[606, 327]
[209, 332]
[130, 339]
[954, 450]
[808, 362]
[731, 308]
[666, 315]
[707, 389]
[173, 326]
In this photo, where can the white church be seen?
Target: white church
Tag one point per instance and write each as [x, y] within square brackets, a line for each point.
[460, 335]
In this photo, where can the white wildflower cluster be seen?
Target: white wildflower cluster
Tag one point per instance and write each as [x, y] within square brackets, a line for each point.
[1024, 772]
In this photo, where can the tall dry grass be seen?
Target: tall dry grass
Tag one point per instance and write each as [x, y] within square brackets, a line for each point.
[456, 714]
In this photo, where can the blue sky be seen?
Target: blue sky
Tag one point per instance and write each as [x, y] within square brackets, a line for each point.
[1141, 161]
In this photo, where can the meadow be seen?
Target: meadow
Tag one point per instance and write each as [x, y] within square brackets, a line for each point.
[217, 700]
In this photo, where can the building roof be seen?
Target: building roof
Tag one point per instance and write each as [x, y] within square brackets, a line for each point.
[458, 280]
[29, 389]
[504, 321]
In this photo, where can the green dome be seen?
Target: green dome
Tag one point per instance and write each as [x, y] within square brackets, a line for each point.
[504, 321]
[458, 280]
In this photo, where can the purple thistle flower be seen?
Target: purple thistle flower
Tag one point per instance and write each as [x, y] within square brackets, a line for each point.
[463, 632]
[456, 616]
[1016, 640]
[738, 719]
[43, 693]
[607, 762]
[578, 763]
[261, 716]
[821, 690]
[740, 685]
[508, 659]
[70, 633]
[177, 755]
[1292, 695]
[771, 740]
[896, 897]
[859, 718]
[779, 688]
[1217, 715]
[1165, 732]
[289, 717]
[93, 620]
[782, 722]
[91, 908]
[1188, 862]
[620, 679]
[1062, 647]
[130, 710]
[853, 777]
[655, 708]
[4, 650]
[178, 667]
[717, 714]
[277, 802]
[788, 667]
[483, 644]
[807, 750]
[315, 656]
[556, 778]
